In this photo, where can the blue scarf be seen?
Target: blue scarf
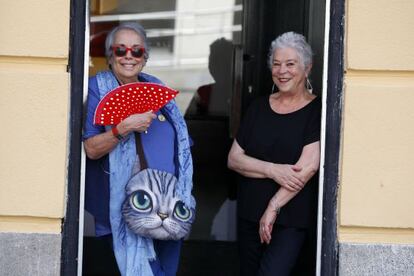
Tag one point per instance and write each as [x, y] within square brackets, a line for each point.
[133, 253]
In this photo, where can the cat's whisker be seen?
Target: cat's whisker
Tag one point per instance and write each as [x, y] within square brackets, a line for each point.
[156, 211]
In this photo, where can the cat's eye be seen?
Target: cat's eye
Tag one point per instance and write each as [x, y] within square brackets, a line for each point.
[141, 201]
[181, 212]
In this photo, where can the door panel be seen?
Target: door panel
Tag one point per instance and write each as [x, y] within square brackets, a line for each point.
[263, 22]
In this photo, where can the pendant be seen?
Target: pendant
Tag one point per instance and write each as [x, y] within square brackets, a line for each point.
[161, 118]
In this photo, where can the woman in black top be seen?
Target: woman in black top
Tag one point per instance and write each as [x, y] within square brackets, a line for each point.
[276, 152]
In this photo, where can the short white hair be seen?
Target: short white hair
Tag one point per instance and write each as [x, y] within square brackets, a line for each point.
[134, 26]
[295, 41]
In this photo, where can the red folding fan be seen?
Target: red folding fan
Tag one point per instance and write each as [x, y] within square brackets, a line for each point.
[132, 98]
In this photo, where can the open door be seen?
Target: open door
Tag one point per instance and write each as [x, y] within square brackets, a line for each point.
[217, 58]
[250, 23]
[263, 22]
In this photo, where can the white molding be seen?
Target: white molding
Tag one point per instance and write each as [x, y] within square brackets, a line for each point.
[323, 137]
[83, 157]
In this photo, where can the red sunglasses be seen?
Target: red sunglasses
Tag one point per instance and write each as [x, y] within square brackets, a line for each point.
[121, 51]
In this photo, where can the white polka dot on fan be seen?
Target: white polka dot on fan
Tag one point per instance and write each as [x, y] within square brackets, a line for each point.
[130, 99]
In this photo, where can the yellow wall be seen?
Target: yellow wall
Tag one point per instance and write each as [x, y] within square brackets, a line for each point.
[375, 203]
[34, 87]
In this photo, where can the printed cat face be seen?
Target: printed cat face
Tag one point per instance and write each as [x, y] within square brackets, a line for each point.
[151, 208]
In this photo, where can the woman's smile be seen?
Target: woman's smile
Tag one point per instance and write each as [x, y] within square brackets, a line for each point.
[287, 72]
[283, 80]
[126, 68]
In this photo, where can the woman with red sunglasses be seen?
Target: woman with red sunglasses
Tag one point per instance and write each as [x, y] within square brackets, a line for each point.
[127, 52]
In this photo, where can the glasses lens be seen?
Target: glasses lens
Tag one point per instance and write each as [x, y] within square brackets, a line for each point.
[120, 51]
[137, 52]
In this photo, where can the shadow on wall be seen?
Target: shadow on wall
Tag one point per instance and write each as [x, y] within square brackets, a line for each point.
[208, 122]
[214, 99]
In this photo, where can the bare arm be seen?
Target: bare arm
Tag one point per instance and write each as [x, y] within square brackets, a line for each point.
[246, 165]
[308, 163]
[101, 144]
[306, 167]
[284, 174]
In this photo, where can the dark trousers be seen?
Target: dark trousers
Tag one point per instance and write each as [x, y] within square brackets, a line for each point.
[290, 251]
[168, 256]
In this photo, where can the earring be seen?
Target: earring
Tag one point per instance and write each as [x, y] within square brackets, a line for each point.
[273, 88]
[309, 85]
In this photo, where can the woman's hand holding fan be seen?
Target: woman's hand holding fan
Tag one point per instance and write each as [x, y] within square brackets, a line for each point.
[138, 122]
[130, 99]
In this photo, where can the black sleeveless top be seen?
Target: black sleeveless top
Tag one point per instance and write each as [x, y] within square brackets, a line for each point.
[278, 138]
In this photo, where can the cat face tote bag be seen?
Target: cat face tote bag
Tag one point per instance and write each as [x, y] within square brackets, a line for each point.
[151, 208]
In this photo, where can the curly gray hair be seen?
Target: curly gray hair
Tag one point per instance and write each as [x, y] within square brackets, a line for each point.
[295, 41]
